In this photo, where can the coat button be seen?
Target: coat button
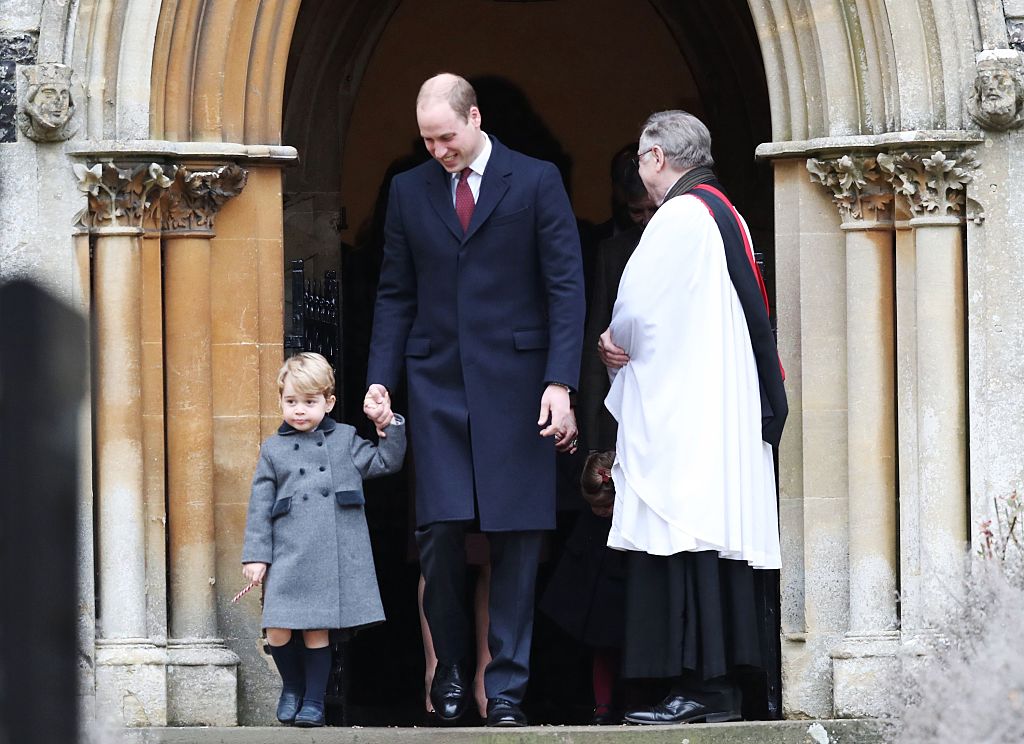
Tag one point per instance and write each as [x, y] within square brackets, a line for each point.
[302, 471]
[325, 492]
[296, 445]
[322, 468]
[305, 497]
[319, 444]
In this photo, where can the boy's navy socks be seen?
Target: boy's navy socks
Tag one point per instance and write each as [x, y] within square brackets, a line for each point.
[318, 668]
[289, 661]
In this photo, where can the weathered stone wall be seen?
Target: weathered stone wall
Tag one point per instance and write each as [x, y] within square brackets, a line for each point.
[995, 323]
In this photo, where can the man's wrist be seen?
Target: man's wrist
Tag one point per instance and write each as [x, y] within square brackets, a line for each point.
[563, 386]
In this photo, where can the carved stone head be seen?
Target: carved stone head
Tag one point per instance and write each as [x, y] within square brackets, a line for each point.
[998, 94]
[47, 103]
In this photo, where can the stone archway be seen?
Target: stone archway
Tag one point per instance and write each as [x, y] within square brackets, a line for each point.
[193, 84]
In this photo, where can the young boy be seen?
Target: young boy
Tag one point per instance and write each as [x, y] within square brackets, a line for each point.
[306, 533]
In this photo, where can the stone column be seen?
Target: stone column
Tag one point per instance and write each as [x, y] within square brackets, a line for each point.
[934, 187]
[202, 672]
[130, 667]
[865, 662]
[906, 417]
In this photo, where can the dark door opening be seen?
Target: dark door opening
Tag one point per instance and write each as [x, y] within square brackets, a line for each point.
[568, 81]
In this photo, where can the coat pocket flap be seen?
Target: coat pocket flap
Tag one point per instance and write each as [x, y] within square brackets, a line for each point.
[349, 498]
[501, 219]
[281, 506]
[534, 338]
[417, 347]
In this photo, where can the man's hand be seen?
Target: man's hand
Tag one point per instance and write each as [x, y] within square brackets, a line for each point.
[254, 572]
[556, 412]
[377, 407]
[612, 356]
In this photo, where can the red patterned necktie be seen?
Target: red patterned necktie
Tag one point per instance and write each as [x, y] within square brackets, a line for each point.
[464, 203]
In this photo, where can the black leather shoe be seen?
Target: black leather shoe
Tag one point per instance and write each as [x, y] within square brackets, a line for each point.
[502, 712]
[605, 715]
[310, 715]
[448, 693]
[679, 709]
[288, 705]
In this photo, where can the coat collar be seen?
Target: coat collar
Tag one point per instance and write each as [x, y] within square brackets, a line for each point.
[326, 426]
[492, 189]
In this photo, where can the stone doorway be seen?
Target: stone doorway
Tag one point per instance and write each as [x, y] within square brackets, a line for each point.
[584, 74]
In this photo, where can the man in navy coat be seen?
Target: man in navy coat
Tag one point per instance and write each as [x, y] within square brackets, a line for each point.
[481, 302]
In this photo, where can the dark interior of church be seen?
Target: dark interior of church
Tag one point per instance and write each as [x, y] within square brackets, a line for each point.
[568, 81]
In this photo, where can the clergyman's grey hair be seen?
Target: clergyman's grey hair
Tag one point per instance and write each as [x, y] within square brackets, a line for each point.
[683, 137]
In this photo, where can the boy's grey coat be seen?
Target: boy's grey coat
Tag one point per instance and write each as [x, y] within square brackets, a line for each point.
[306, 520]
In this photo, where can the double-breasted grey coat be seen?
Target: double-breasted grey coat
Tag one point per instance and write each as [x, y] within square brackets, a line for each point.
[306, 521]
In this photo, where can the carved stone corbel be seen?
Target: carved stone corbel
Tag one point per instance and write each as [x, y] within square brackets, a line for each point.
[934, 185]
[996, 97]
[858, 187]
[121, 196]
[47, 102]
[196, 196]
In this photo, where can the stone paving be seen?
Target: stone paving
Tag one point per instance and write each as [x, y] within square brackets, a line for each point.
[762, 732]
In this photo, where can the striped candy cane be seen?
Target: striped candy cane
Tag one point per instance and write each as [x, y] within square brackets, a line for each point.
[242, 593]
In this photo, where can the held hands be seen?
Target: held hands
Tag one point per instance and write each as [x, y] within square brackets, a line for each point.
[612, 356]
[377, 407]
[254, 572]
[556, 412]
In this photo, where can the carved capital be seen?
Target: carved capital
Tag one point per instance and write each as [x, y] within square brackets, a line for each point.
[858, 187]
[932, 184]
[197, 195]
[121, 196]
[47, 99]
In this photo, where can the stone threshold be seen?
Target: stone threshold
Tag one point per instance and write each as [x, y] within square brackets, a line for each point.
[852, 731]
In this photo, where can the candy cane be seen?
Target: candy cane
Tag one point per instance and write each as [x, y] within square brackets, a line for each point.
[242, 593]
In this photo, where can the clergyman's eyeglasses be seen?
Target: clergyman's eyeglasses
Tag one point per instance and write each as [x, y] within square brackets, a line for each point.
[640, 156]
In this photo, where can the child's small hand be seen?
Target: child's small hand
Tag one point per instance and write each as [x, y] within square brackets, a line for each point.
[254, 572]
[377, 407]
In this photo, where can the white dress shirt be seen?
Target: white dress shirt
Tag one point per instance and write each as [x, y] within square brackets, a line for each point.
[477, 166]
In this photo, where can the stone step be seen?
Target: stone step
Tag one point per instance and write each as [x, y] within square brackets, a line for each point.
[757, 732]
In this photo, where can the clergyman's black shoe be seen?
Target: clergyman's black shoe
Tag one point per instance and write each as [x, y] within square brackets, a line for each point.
[502, 712]
[288, 705]
[679, 709]
[448, 693]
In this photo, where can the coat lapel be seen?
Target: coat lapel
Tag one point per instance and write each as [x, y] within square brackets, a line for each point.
[439, 189]
[493, 186]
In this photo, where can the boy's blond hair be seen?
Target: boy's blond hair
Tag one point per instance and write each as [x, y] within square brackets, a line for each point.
[310, 374]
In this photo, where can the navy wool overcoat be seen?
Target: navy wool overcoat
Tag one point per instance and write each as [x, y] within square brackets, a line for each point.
[480, 321]
[306, 520]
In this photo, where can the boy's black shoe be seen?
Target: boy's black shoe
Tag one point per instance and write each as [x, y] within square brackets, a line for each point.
[310, 716]
[288, 706]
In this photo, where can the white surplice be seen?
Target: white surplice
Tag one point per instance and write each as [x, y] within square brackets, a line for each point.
[691, 471]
